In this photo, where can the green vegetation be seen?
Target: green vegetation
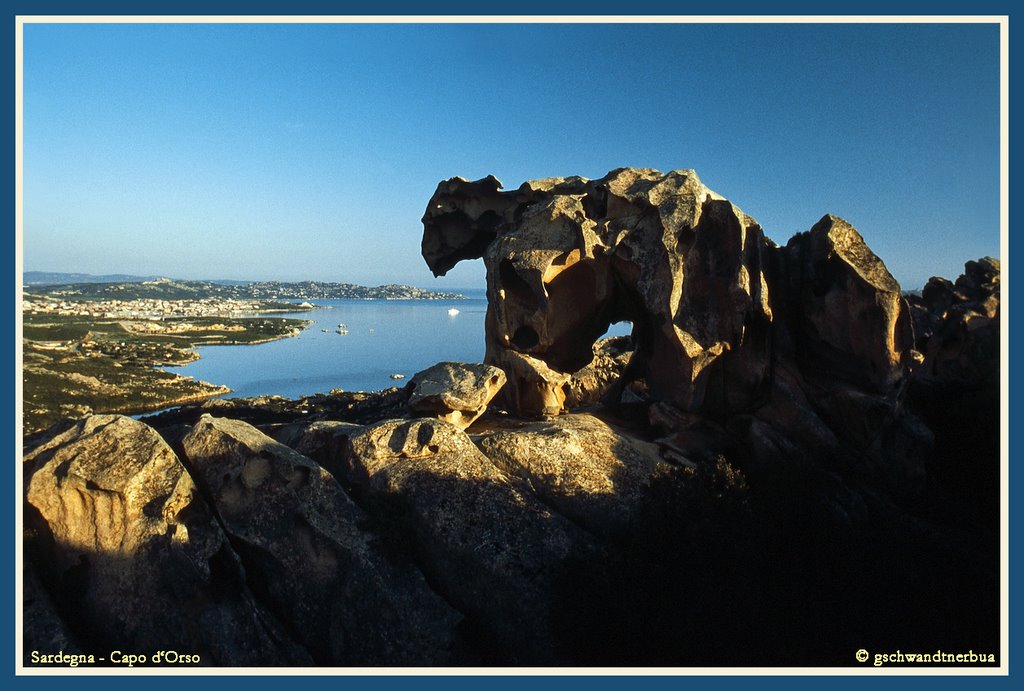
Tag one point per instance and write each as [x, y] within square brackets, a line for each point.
[77, 365]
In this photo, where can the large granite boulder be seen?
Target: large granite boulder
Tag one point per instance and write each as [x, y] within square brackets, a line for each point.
[580, 466]
[848, 315]
[132, 556]
[567, 257]
[711, 299]
[455, 392]
[493, 549]
[323, 441]
[799, 349]
[306, 551]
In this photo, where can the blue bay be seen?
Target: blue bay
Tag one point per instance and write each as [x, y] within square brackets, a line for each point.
[384, 337]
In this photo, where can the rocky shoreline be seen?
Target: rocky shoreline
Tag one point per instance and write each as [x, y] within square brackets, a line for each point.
[89, 365]
[787, 462]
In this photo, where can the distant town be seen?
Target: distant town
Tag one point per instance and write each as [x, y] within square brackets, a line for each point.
[101, 346]
[169, 289]
[156, 309]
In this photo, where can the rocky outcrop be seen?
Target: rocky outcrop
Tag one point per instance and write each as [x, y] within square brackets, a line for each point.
[121, 534]
[958, 328]
[495, 551]
[597, 381]
[580, 466]
[455, 392]
[263, 560]
[710, 297]
[847, 313]
[748, 479]
[302, 540]
[956, 389]
[799, 349]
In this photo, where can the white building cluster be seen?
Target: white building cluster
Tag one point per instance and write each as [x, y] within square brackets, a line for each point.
[143, 308]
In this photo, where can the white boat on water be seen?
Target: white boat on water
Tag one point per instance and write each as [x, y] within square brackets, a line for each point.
[452, 312]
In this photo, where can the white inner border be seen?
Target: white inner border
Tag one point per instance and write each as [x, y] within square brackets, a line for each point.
[865, 670]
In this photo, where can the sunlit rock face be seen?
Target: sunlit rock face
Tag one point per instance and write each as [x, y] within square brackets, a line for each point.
[131, 552]
[456, 392]
[715, 305]
[851, 319]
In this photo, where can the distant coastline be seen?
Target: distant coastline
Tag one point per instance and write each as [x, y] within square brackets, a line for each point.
[127, 287]
[83, 355]
[101, 346]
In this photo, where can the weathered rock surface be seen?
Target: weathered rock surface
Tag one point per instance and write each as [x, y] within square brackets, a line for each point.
[307, 554]
[749, 479]
[570, 256]
[121, 535]
[455, 392]
[43, 629]
[595, 382]
[958, 328]
[534, 385]
[323, 441]
[580, 466]
[804, 348]
[849, 319]
[493, 551]
[696, 276]
[956, 389]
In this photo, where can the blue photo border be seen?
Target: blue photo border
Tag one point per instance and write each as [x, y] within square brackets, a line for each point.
[14, 8]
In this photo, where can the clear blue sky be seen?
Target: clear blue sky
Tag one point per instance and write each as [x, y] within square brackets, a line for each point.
[309, 151]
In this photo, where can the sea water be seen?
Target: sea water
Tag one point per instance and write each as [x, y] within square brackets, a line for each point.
[379, 338]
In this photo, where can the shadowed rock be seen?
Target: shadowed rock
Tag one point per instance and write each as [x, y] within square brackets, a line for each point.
[323, 441]
[307, 554]
[851, 321]
[455, 392]
[133, 554]
[956, 389]
[960, 333]
[43, 629]
[593, 383]
[494, 551]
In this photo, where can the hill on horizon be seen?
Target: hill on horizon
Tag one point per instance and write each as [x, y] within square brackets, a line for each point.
[30, 278]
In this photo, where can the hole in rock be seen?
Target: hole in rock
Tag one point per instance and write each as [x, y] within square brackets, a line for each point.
[517, 290]
[622, 328]
[424, 434]
[525, 338]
